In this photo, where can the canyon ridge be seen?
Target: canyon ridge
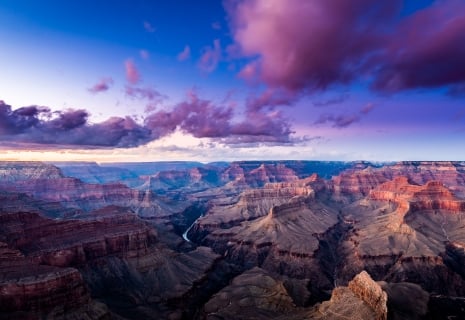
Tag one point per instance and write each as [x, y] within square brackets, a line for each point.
[232, 240]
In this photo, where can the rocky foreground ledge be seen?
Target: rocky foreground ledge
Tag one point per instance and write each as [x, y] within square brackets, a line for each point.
[257, 295]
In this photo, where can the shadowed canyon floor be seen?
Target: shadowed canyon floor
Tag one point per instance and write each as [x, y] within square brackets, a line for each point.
[241, 240]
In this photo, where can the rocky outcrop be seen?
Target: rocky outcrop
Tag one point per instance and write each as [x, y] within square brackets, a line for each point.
[257, 294]
[362, 299]
[254, 294]
[371, 293]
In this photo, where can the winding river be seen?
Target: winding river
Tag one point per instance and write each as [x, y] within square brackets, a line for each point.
[184, 235]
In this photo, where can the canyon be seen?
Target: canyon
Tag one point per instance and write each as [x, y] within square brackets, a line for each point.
[239, 240]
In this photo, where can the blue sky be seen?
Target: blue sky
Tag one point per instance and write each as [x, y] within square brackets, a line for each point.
[229, 80]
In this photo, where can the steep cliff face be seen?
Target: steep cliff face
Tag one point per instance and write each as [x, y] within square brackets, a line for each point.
[400, 231]
[30, 290]
[285, 240]
[65, 243]
[47, 264]
[357, 182]
[251, 204]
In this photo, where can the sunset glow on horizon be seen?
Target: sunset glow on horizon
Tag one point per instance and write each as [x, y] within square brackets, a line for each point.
[232, 80]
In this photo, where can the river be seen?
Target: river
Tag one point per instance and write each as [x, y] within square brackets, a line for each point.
[184, 235]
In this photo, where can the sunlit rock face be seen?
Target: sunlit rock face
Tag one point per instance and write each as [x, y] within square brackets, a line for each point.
[256, 294]
[271, 240]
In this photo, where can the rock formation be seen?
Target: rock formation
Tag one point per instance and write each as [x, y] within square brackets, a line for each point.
[271, 240]
[257, 295]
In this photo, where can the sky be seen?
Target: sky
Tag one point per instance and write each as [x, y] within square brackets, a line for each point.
[117, 81]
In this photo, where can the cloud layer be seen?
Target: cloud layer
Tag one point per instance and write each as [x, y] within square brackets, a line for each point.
[194, 116]
[312, 45]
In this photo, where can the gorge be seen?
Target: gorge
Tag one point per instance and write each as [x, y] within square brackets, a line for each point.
[240, 240]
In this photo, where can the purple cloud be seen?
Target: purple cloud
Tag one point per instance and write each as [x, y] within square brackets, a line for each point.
[152, 96]
[367, 108]
[132, 74]
[210, 57]
[185, 54]
[338, 121]
[282, 35]
[146, 93]
[336, 100]
[263, 127]
[312, 45]
[38, 125]
[202, 119]
[101, 86]
[271, 98]
[195, 116]
[426, 51]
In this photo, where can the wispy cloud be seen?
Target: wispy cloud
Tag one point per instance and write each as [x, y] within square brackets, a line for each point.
[335, 100]
[149, 95]
[210, 57]
[338, 121]
[271, 98]
[367, 108]
[132, 74]
[184, 54]
[103, 85]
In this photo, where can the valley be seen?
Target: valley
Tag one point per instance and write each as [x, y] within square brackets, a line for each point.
[239, 240]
